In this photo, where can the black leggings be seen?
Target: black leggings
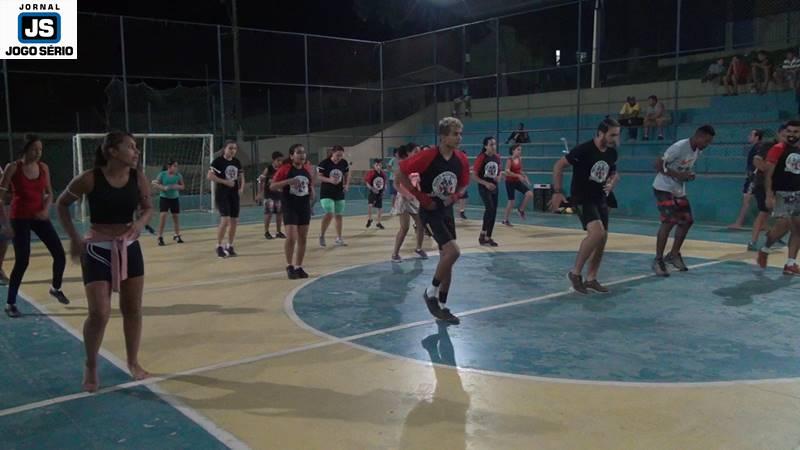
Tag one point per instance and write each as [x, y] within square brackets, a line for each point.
[490, 212]
[22, 252]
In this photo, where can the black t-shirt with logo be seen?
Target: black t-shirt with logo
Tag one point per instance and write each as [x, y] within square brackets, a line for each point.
[228, 170]
[295, 198]
[591, 168]
[786, 176]
[487, 168]
[330, 169]
[438, 177]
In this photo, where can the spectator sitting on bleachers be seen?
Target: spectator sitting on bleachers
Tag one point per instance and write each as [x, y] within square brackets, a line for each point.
[786, 76]
[519, 136]
[737, 74]
[465, 100]
[715, 71]
[761, 68]
[655, 117]
[630, 116]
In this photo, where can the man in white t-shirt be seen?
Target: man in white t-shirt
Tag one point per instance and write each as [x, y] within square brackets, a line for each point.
[674, 169]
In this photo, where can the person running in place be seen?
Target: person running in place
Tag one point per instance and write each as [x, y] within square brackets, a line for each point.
[169, 183]
[334, 176]
[516, 181]
[375, 180]
[486, 172]
[226, 172]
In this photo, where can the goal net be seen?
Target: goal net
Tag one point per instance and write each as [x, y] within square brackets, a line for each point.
[193, 153]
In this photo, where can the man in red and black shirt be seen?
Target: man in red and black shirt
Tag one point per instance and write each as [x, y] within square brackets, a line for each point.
[782, 186]
[444, 177]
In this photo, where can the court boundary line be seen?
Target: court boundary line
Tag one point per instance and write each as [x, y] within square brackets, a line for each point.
[217, 432]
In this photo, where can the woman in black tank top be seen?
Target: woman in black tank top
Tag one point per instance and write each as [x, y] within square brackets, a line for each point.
[111, 258]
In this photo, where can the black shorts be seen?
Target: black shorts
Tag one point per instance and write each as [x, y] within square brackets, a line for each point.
[228, 203]
[441, 222]
[674, 210]
[172, 205]
[296, 215]
[748, 186]
[513, 186]
[375, 200]
[761, 198]
[272, 205]
[96, 263]
[589, 212]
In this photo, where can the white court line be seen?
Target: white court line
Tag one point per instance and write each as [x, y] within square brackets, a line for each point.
[209, 426]
[332, 340]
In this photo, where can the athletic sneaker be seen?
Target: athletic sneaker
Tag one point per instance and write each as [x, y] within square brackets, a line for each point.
[521, 213]
[230, 251]
[433, 304]
[161, 241]
[483, 241]
[577, 283]
[322, 241]
[492, 243]
[340, 242]
[300, 273]
[149, 229]
[595, 286]
[660, 268]
[462, 214]
[291, 273]
[752, 247]
[369, 223]
[791, 270]
[221, 252]
[268, 236]
[448, 317]
[397, 258]
[421, 253]
[280, 235]
[380, 226]
[177, 238]
[13, 312]
[507, 223]
[59, 295]
[676, 261]
[761, 259]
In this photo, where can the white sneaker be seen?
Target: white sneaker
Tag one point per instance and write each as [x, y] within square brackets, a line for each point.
[340, 243]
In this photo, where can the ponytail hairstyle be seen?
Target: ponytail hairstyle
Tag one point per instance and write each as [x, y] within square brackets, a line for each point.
[513, 147]
[30, 139]
[486, 142]
[112, 140]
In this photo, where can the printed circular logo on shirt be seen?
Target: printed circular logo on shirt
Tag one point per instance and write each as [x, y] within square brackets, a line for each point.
[444, 185]
[378, 183]
[491, 170]
[301, 190]
[793, 163]
[231, 173]
[599, 172]
[337, 175]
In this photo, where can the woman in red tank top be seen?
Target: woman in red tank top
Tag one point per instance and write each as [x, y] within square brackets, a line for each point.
[31, 197]
[516, 180]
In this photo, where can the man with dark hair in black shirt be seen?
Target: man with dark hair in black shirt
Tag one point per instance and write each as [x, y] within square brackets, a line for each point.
[594, 175]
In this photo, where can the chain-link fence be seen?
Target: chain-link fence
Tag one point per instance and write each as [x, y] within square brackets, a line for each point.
[556, 71]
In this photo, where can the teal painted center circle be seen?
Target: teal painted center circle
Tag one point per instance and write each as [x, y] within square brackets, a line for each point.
[725, 321]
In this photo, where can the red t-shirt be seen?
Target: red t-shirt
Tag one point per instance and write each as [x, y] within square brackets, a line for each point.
[27, 195]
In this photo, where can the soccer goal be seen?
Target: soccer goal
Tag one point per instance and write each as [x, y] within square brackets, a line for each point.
[193, 152]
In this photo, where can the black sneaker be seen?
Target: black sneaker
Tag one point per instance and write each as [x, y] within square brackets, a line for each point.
[268, 236]
[659, 268]
[380, 226]
[577, 283]
[280, 235]
[300, 273]
[12, 311]
[161, 241]
[462, 215]
[595, 286]
[231, 252]
[59, 295]
[492, 243]
[483, 241]
[448, 317]
[177, 238]
[291, 273]
[676, 261]
[149, 229]
[221, 252]
[369, 223]
[432, 303]
[507, 223]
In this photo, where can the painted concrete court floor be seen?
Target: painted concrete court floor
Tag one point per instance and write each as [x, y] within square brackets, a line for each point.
[350, 358]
